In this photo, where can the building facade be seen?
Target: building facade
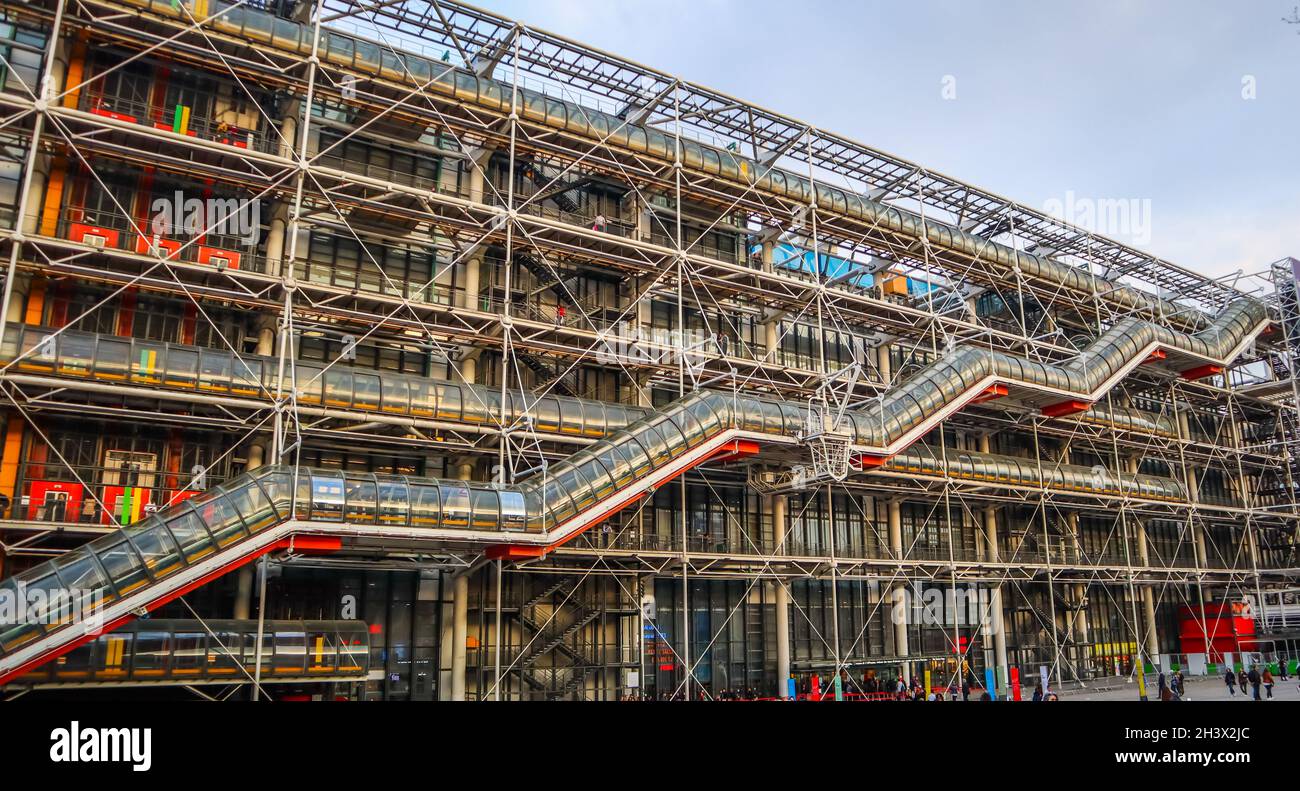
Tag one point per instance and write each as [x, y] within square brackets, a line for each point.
[573, 379]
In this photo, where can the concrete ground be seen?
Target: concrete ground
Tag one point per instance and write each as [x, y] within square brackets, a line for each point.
[1197, 689]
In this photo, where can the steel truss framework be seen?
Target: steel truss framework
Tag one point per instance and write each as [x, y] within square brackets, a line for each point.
[510, 253]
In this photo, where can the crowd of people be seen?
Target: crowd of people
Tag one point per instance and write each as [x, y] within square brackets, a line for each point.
[1256, 680]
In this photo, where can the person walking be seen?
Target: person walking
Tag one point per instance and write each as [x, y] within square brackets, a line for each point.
[1266, 678]
[1241, 680]
[1254, 679]
[1230, 679]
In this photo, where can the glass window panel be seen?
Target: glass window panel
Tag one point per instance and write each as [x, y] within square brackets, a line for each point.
[326, 497]
[222, 518]
[290, 653]
[426, 506]
[214, 371]
[392, 502]
[155, 545]
[121, 562]
[338, 388]
[455, 504]
[487, 509]
[365, 391]
[361, 500]
[191, 535]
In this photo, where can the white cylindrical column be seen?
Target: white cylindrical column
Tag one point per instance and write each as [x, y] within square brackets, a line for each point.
[899, 590]
[459, 634]
[781, 599]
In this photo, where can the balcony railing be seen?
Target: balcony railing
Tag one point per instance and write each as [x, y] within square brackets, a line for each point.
[112, 230]
[164, 118]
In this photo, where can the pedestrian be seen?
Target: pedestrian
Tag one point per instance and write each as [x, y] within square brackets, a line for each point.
[1241, 680]
[1266, 678]
[1230, 679]
[1254, 679]
[1038, 692]
[1281, 668]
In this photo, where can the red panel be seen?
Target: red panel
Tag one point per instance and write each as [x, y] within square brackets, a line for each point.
[53, 495]
[870, 462]
[212, 256]
[180, 496]
[1072, 407]
[311, 544]
[112, 504]
[514, 552]
[80, 232]
[736, 449]
[1202, 371]
[1156, 356]
[169, 247]
[991, 392]
[113, 115]
[170, 128]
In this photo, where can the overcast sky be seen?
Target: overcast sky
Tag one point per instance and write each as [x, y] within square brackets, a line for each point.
[1104, 99]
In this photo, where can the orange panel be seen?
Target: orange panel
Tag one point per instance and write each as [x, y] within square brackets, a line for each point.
[35, 303]
[76, 72]
[53, 198]
[9, 462]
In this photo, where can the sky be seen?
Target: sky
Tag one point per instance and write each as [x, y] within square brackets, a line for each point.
[1187, 111]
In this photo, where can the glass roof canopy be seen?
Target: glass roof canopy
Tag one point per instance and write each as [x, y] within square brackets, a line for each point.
[609, 81]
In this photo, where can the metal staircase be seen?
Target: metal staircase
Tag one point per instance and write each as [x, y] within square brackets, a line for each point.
[548, 377]
[550, 638]
[554, 190]
[1070, 650]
